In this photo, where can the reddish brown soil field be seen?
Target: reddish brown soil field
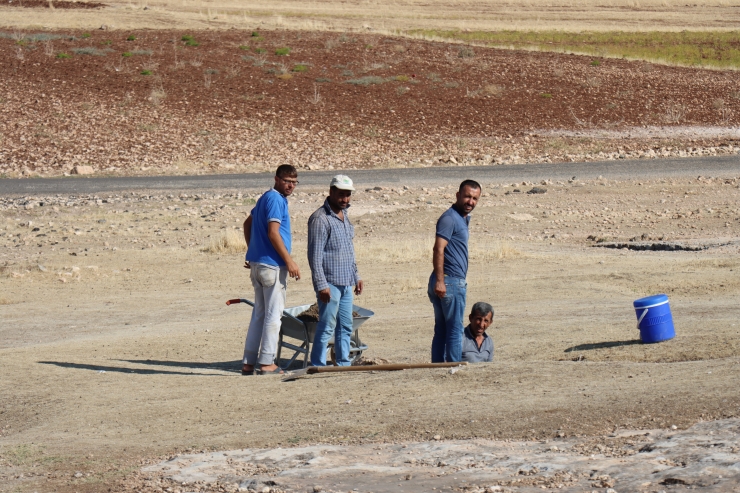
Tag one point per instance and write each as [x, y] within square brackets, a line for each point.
[335, 100]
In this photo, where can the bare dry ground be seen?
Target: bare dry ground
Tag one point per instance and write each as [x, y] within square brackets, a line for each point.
[118, 349]
[385, 15]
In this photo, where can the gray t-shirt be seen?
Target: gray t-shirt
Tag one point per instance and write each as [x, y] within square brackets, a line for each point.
[474, 354]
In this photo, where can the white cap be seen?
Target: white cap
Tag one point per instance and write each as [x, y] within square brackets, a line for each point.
[342, 182]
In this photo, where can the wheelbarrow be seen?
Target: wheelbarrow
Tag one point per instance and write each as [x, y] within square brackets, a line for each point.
[300, 335]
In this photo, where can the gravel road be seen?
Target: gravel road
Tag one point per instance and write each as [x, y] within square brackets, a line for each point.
[615, 170]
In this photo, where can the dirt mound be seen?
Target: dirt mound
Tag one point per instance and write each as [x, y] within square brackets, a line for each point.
[312, 314]
[364, 361]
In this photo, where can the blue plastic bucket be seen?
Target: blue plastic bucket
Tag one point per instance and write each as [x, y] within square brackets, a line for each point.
[654, 319]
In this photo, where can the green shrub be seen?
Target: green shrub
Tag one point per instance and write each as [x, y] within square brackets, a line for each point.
[86, 35]
[63, 55]
[595, 63]
[255, 34]
[282, 51]
[402, 78]
[107, 42]
[546, 95]
[131, 38]
[368, 80]
[243, 47]
[260, 50]
[300, 68]
[189, 40]
[126, 54]
[146, 72]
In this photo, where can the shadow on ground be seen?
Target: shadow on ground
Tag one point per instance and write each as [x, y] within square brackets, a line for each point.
[602, 345]
[121, 369]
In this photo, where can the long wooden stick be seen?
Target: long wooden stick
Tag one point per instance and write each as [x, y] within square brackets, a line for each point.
[391, 367]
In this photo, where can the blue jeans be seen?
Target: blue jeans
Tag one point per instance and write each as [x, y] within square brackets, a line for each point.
[448, 319]
[335, 320]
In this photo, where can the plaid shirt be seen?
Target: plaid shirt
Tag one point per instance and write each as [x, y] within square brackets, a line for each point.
[331, 253]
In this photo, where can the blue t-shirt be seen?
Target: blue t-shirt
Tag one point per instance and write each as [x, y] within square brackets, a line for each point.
[453, 227]
[272, 206]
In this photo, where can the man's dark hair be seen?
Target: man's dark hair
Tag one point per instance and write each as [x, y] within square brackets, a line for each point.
[482, 308]
[286, 170]
[469, 183]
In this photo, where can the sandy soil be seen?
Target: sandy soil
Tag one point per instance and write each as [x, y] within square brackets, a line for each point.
[118, 349]
[231, 103]
[383, 15]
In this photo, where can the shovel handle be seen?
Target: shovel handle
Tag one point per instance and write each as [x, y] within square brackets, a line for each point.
[390, 367]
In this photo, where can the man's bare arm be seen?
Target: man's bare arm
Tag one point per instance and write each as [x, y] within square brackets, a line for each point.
[248, 229]
[438, 261]
[247, 235]
[273, 233]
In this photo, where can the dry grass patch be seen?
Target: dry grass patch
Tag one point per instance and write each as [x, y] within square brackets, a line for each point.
[229, 241]
[407, 251]
[499, 250]
[691, 48]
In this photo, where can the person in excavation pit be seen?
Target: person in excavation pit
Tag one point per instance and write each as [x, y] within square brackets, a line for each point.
[477, 346]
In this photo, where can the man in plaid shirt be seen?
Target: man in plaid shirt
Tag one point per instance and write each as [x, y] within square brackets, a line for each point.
[331, 256]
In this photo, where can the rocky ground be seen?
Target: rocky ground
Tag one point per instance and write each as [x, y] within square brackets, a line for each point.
[200, 102]
[702, 458]
[119, 352]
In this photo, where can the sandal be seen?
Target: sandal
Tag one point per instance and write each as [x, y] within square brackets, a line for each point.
[247, 372]
[276, 371]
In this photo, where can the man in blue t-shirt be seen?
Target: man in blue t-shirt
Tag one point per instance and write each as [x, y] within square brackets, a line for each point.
[447, 285]
[268, 236]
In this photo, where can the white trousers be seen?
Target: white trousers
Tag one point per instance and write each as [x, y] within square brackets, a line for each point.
[269, 284]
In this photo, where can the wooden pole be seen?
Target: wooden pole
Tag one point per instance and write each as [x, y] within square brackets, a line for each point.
[390, 367]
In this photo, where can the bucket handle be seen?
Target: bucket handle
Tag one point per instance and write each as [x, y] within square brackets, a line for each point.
[641, 317]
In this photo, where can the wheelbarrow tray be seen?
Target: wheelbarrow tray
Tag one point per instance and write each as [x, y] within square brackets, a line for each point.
[291, 326]
[303, 332]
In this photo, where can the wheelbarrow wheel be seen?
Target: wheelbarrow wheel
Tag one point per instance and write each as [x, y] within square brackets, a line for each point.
[353, 356]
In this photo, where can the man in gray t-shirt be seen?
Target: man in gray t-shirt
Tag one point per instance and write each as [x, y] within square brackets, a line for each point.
[477, 346]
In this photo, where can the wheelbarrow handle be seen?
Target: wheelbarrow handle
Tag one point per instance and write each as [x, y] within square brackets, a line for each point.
[240, 300]
[244, 300]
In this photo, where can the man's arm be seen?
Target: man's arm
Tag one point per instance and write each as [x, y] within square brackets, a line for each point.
[438, 261]
[273, 234]
[248, 229]
[247, 235]
[317, 237]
